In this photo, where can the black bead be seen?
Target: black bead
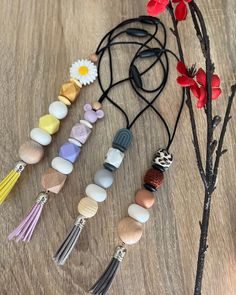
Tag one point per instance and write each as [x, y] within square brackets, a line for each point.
[150, 188]
[136, 32]
[150, 20]
[150, 52]
[158, 167]
[109, 167]
[135, 75]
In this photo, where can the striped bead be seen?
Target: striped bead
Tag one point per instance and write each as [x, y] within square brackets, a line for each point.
[87, 207]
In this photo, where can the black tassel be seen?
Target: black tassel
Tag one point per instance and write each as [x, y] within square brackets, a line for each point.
[67, 246]
[102, 286]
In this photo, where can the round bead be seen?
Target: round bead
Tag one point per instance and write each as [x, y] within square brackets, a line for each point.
[58, 109]
[96, 192]
[129, 230]
[41, 136]
[144, 198]
[153, 179]
[87, 207]
[93, 57]
[162, 160]
[64, 100]
[61, 165]
[90, 116]
[31, 152]
[103, 178]
[138, 213]
[96, 105]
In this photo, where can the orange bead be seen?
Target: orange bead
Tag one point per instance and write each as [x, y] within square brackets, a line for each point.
[129, 230]
[93, 57]
[70, 90]
[144, 198]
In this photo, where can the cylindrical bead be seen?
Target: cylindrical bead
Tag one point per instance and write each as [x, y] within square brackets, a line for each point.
[129, 230]
[103, 178]
[31, 152]
[96, 192]
[61, 165]
[153, 179]
[58, 109]
[69, 151]
[138, 213]
[114, 158]
[144, 198]
[87, 207]
[41, 136]
[52, 180]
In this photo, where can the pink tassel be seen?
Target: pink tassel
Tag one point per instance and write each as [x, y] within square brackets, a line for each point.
[26, 228]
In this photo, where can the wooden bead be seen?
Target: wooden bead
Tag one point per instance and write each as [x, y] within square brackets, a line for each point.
[96, 192]
[87, 207]
[77, 82]
[153, 179]
[96, 105]
[129, 230]
[41, 136]
[144, 198]
[70, 90]
[31, 152]
[49, 123]
[138, 213]
[93, 57]
[64, 100]
[61, 165]
[53, 180]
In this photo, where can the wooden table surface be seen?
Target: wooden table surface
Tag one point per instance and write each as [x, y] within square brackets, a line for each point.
[39, 40]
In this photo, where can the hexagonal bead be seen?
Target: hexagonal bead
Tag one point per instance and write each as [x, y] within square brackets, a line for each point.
[53, 180]
[49, 123]
[80, 132]
[70, 90]
[69, 151]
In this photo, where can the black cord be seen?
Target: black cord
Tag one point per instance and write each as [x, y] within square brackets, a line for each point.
[160, 54]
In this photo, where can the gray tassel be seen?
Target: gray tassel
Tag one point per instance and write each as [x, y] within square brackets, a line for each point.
[102, 286]
[67, 246]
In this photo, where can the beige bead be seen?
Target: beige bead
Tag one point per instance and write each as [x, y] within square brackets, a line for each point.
[31, 152]
[144, 198]
[76, 82]
[129, 230]
[87, 207]
[53, 180]
[96, 105]
[93, 57]
[64, 100]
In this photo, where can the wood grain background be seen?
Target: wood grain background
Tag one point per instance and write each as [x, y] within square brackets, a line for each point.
[39, 40]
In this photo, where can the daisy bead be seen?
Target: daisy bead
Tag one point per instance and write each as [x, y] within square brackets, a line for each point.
[58, 109]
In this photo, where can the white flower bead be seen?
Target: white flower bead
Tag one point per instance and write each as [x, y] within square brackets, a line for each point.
[138, 213]
[96, 192]
[41, 136]
[61, 165]
[114, 157]
[58, 109]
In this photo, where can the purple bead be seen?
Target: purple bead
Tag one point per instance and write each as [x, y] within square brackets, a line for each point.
[80, 132]
[69, 151]
[90, 116]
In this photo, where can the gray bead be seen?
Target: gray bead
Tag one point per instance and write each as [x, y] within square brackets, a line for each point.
[122, 139]
[103, 178]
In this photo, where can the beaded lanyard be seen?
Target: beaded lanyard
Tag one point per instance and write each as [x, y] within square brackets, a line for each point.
[82, 72]
[103, 179]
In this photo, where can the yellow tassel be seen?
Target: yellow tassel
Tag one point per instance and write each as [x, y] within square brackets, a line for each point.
[10, 180]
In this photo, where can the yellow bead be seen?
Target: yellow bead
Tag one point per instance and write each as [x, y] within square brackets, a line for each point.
[49, 123]
[70, 90]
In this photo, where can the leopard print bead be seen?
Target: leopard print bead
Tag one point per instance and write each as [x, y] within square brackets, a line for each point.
[162, 160]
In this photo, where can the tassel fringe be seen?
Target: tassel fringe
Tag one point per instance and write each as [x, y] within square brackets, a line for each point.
[10, 180]
[68, 245]
[102, 286]
[26, 228]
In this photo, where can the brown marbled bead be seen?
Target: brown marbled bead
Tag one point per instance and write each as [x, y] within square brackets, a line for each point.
[153, 178]
[129, 230]
[144, 198]
[31, 152]
[52, 180]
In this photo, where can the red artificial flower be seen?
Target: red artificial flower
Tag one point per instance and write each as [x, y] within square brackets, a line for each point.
[187, 78]
[181, 10]
[155, 7]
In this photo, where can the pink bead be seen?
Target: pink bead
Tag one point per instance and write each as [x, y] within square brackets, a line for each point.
[80, 132]
[90, 116]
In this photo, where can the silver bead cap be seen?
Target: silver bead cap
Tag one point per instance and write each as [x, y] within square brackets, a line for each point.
[80, 221]
[20, 166]
[120, 253]
[42, 198]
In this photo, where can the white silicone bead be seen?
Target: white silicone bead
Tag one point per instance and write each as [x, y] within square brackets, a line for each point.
[96, 192]
[114, 157]
[74, 141]
[138, 213]
[61, 165]
[41, 136]
[58, 109]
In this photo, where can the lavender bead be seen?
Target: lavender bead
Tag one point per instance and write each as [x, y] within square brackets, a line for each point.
[80, 132]
[69, 152]
[90, 116]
